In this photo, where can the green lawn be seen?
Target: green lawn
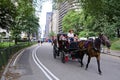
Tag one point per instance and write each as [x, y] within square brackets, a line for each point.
[6, 44]
[116, 45]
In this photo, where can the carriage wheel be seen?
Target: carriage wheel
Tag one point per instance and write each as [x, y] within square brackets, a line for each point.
[54, 52]
[63, 57]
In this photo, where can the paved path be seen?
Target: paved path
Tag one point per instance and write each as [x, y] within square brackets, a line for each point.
[44, 54]
[113, 53]
[116, 53]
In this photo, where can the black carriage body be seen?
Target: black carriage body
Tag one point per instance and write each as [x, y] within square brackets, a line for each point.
[57, 47]
[63, 47]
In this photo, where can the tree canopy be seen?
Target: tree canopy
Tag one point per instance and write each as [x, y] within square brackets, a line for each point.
[18, 17]
[95, 16]
[7, 13]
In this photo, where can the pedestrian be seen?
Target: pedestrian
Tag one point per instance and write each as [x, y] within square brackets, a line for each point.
[38, 42]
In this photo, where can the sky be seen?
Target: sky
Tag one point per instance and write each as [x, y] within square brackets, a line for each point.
[47, 7]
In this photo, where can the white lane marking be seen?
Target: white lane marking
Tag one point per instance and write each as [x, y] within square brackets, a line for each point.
[17, 58]
[46, 74]
[42, 66]
[46, 69]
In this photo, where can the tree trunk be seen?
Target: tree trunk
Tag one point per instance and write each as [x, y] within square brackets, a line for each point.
[15, 40]
[29, 36]
[118, 32]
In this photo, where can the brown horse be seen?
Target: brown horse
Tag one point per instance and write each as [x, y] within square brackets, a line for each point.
[105, 41]
[92, 49]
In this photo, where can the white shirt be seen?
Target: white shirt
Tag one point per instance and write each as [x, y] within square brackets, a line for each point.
[70, 35]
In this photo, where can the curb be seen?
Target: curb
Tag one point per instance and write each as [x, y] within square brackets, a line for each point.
[111, 55]
[114, 53]
[10, 61]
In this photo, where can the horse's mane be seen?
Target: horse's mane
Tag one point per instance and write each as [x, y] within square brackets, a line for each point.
[97, 43]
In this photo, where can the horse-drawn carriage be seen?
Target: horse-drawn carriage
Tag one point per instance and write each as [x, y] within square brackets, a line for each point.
[66, 50]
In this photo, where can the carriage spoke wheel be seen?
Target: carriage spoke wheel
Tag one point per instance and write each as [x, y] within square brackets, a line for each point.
[63, 57]
[54, 53]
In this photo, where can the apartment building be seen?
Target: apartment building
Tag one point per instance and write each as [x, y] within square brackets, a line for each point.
[47, 26]
[54, 18]
[64, 7]
[54, 22]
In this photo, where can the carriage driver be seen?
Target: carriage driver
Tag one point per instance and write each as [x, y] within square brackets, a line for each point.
[70, 35]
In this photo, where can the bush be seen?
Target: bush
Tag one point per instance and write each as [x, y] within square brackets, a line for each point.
[6, 44]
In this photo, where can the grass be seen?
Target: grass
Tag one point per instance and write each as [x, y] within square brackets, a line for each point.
[6, 44]
[115, 45]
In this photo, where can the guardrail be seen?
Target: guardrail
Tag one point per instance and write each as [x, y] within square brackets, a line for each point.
[6, 53]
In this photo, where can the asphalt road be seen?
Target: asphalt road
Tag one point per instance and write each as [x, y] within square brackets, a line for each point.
[37, 63]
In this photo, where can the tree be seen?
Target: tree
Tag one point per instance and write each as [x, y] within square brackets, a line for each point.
[2, 34]
[99, 16]
[25, 21]
[51, 34]
[104, 13]
[31, 25]
[7, 14]
[72, 20]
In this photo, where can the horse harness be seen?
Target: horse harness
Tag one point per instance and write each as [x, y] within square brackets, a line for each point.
[94, 44]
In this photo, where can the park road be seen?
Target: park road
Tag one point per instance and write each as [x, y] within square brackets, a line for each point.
[37, 63]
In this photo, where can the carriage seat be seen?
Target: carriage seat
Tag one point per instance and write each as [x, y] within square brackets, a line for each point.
[73, 46]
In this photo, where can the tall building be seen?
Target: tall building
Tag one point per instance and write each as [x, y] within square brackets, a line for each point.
[54, 18]
[54, 22]
[47, 26]
[64, 7]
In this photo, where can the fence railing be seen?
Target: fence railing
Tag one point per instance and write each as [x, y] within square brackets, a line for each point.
[6, 53]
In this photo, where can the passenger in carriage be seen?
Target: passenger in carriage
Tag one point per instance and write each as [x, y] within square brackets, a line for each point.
[70, 35]
[76, 38]
[62, 37]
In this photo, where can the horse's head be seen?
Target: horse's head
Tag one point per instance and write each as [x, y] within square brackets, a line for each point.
[105, 41]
